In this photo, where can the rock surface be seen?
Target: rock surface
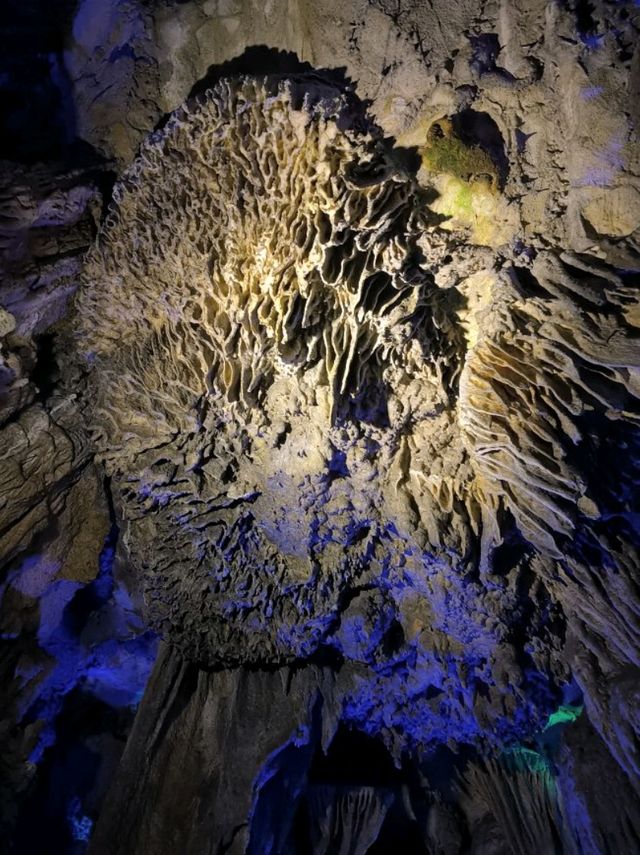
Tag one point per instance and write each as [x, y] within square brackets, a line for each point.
[357, 351]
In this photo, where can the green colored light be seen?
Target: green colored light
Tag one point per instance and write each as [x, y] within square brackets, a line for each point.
[564, 715]
[521, 759]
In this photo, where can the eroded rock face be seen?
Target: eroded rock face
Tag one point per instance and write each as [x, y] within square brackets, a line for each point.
[331, 423]
[270, 334]
[383, 418]
[73, 647]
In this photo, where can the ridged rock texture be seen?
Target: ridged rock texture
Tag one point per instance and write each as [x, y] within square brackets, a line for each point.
[72, 645]
[336, 391]
[296, 420]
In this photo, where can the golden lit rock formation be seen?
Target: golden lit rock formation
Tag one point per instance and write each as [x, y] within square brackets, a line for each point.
[305, 387]
[343, 415]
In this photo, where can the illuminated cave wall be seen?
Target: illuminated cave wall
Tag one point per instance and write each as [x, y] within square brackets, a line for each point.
[336, 392]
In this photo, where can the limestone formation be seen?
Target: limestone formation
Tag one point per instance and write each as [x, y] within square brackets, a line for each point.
[67, 629]
[347, 822]
[299, 403]
[266, 339]
[342, 403]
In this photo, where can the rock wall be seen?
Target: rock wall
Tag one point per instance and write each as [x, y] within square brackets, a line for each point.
[76, 654]
[350, 381]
